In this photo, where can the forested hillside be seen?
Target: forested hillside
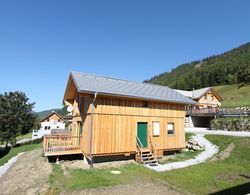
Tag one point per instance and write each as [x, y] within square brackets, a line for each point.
[62, 111]
[231, 67]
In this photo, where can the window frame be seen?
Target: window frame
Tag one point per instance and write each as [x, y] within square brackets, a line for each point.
[168, 130]
[159, 131]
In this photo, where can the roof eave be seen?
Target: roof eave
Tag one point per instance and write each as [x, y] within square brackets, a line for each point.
[190, 102]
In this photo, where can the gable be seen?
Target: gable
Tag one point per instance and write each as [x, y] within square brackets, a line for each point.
[55, 116]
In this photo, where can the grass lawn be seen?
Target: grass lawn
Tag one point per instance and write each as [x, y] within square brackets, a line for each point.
[234, 97]
[182, 155]
[28, 135]
[204, 178]
[19, 137]
[14, 151]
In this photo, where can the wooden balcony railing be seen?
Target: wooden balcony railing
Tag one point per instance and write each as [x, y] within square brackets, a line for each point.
[61, 145]
[218, 112]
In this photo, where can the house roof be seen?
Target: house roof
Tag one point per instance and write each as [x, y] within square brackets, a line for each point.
[196, 94]
[49, 115]
[88, 83]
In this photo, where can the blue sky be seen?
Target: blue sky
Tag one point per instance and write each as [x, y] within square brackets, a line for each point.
[42, 41]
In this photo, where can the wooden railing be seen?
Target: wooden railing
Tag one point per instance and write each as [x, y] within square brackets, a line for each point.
[217, 111]
[61, 144]
[152, 146]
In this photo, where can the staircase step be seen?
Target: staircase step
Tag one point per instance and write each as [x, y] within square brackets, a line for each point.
[148, 158]
[149, 161]
[145, 150]
[153, 164]
[145, 155]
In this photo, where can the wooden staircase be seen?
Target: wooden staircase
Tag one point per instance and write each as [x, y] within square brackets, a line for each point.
[146, 156]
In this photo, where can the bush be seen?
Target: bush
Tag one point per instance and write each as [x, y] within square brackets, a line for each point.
[230, 124]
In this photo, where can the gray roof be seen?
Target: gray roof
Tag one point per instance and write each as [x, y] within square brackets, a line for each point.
[89, 83]
[195, 93]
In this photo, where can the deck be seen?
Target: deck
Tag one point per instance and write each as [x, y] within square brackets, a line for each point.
[55, 145]
[217, 112]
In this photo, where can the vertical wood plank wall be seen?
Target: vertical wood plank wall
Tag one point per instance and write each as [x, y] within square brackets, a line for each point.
[203, 103]
[115, 124]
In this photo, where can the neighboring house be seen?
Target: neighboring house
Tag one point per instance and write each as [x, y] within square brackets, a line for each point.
[119, 117]
[52, 122]
[205, 97]
[207, 103]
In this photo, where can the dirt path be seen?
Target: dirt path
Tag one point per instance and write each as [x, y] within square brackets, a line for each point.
[28, 175]
[143, 187]
[225, 153]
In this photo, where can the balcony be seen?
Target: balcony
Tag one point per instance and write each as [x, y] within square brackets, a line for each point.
[55, 145]
[217, 112]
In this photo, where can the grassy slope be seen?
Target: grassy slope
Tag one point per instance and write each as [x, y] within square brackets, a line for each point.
[200, 179]
[234, 97]
[14, 151]
[28, 135]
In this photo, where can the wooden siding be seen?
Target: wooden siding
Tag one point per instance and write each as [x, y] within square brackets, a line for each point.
[115, 124]
[210, 101]
[54, 117]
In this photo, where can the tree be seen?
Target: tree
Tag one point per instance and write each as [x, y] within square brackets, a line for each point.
[243, 76]
[16, 116]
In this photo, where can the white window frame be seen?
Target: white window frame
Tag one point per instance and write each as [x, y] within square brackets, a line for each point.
[170, 129]
[156, 128]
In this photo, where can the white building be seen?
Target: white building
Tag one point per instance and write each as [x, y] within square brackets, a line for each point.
[49, 123]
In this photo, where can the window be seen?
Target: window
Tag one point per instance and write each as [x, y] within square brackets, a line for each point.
[205, 97]
[59, 120]
[48, 127]
[170, 128]
[45, 128]
[156, 128]
[48, 119]
[144, 104]
[212, 97]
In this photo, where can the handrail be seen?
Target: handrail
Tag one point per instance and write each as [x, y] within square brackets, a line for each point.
[153, 148]
[138, 140]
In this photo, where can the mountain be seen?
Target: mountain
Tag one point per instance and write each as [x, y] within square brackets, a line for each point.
[232, 67]
[62, 111]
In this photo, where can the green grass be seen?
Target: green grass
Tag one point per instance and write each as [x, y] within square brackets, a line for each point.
[182, 155]
[25, 136]
[14, 151]
[188, 136]
[204, 178]
[19, 137]
[234, 97]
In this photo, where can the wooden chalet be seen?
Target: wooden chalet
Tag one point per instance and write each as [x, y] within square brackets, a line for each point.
[204, 97]
[119, 117]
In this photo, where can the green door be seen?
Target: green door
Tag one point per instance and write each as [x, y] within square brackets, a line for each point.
[142, 133]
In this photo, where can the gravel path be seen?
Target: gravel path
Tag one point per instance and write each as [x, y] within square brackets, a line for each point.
[28, 175]
[210, 150]
[6, 166]
[205, 131]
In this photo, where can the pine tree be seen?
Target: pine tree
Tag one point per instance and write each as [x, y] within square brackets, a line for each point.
[16, 116]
